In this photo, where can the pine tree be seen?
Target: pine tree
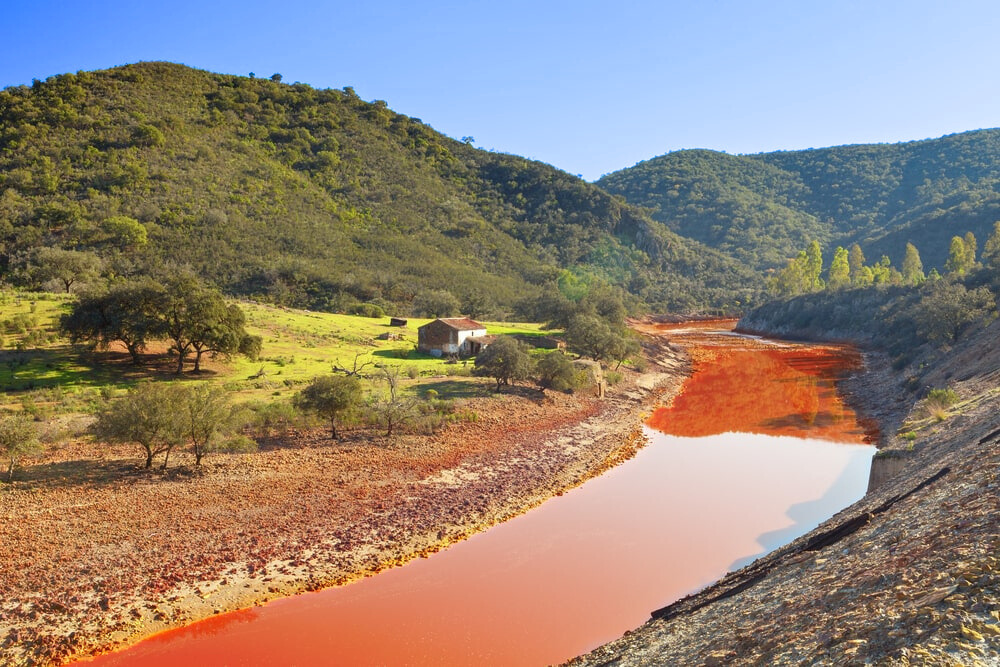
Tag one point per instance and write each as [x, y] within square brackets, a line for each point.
[793, 279]
[814, 266]
[956, 263]
[856, 262]
[882, 271]
[840, 270]
[913, 268]
[991, 251]
[971, 246]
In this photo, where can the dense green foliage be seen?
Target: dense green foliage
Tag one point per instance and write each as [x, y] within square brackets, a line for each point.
[555, 371]
[763, 208]
[148, 416]
[330, 396]
[314, 198]
[506, 360]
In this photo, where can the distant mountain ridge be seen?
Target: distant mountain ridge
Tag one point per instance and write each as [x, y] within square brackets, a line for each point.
[763, 208]
[316, 198]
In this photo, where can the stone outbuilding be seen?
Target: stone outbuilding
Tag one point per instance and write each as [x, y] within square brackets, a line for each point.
[452, 336]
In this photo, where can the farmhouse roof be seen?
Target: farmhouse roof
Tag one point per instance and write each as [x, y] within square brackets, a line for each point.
[460, 323]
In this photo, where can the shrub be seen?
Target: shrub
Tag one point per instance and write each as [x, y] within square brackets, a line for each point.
[938, 401]
[273, 417]
[556, 371]
[366, 310]
[18, 438]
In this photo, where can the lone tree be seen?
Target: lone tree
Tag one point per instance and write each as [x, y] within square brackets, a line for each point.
[18, 438]
[222, 333]
[390, 407]
[506, 360]
[624, 346]
[210, 422]
[948, 308]
[331, 397]
[149, 416]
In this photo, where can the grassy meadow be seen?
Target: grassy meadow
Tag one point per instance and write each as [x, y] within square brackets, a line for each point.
[42, 372]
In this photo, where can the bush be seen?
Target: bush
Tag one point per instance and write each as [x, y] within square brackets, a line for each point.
[274, 417]
[556, 371]
[938, 401]
[367, 310]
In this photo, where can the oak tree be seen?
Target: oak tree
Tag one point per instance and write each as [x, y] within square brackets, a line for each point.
[331, 397]
[18, 438]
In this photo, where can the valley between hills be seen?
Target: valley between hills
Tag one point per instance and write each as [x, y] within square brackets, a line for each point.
[286, 225]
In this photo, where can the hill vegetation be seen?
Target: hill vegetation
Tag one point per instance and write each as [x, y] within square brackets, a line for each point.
[763, 208]
[314, 198]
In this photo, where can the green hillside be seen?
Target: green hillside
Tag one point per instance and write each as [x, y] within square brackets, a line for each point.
[763, 208]
[315, 198]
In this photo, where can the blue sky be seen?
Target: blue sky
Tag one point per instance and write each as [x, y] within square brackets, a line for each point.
[590, 87]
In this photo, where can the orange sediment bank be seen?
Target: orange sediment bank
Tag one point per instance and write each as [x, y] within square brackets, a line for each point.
[780, 388]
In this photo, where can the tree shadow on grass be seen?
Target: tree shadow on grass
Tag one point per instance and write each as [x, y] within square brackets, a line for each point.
[457, 389]
[62, 366]
[401, 353]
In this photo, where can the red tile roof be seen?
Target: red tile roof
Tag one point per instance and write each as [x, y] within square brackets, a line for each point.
[461, 323]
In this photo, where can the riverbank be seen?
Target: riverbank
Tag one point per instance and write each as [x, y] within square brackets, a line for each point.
[98, 554]
[908, 575]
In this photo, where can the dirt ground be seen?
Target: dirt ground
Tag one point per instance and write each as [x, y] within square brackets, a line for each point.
[97, 553]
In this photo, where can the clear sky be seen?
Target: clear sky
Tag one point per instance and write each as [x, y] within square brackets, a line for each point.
[590, 87]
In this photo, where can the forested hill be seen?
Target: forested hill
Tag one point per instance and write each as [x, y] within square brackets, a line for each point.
[316, 198]
[764, 208]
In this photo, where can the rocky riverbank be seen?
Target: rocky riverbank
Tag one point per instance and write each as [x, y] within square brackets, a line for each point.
[908, 575]
[98, 554]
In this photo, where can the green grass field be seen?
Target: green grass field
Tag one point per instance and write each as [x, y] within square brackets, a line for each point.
[39, 367]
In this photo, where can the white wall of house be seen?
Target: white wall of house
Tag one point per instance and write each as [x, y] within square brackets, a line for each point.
[462, 335]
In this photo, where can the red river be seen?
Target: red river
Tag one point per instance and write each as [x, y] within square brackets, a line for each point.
[756, 450]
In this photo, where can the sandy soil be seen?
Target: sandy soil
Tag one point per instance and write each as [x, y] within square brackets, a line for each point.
[97, 553]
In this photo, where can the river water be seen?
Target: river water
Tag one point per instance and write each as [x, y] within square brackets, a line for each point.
[756, 450]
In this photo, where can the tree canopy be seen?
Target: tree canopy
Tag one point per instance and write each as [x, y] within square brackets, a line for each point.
[18, 438]
[331, 397]
[506, 360]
